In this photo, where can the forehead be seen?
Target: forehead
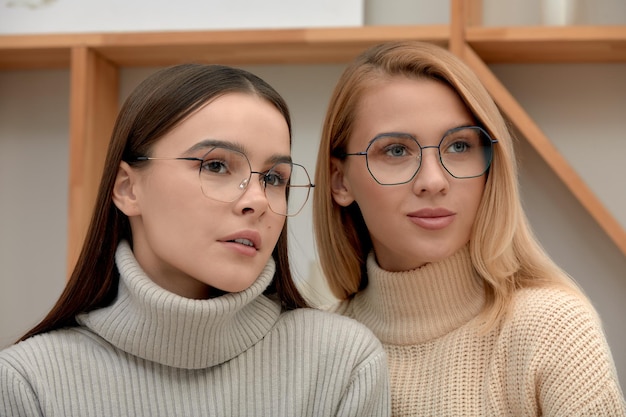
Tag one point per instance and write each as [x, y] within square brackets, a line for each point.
[418, 106]
[386, 96]
[245, 119]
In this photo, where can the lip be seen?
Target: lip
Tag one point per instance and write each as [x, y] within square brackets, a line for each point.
[249, 235]
[432, 218]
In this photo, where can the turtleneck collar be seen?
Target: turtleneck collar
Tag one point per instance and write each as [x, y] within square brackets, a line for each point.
[147, 321]
[413, 307]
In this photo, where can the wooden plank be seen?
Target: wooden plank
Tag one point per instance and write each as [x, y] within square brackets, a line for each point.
[94, 98]
[474, 13]
[35, 58]
[318, 45]
[263, 46]
[549, 44]
[538, 140]
[280, 46]
[457, 27]
[39, 51]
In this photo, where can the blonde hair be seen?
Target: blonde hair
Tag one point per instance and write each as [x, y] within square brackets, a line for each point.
[503, 249]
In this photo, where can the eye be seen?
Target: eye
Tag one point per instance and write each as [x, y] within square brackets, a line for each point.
[463, 141]
[395, 150]
[278, 176]
[215, 166]
[275, 179]
[458, 146]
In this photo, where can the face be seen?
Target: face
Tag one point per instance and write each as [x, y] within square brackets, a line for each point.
[430, 217]
[190, 244]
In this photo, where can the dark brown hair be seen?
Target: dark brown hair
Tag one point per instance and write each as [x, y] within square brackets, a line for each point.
[154, 108]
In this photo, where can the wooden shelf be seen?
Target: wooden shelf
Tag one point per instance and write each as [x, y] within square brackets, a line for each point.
[36, 51]
[285, 46]
[233, 47]
[576, 44]
[306, 46]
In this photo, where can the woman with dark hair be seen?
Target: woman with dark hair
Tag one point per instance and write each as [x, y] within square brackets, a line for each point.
[182, 302]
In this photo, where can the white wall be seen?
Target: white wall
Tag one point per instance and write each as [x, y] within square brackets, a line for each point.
[50, 16]
[530, 12]
[33, 195]
[579, 106]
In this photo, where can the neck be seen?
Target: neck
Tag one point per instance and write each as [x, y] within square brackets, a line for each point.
[416, 306]
[152, 323]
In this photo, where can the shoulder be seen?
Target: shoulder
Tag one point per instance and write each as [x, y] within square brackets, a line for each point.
[48, 350]
[557, 336]
[552, 309]
[558, 332]
[331, 332]
[343, 307]
[343, 353]
[327, 323]
[552, 318]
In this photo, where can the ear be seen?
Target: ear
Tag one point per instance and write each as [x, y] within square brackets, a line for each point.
[124, 196]
[341, 193]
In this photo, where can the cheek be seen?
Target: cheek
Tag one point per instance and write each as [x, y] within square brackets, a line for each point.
[170, 201]
[274, 229]
[360, 184]
[378, 203]
[471, 197]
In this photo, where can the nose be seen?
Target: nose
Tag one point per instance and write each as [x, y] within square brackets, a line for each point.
[253, 199]
[431, 176]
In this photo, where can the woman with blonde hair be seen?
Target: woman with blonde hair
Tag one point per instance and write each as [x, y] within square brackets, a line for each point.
[422, 237]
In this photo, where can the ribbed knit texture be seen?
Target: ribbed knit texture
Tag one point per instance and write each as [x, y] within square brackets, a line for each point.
[153, 353]
[550, 358]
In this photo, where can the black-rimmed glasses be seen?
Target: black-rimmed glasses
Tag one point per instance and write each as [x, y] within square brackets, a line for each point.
[395, 158]
[226, 173]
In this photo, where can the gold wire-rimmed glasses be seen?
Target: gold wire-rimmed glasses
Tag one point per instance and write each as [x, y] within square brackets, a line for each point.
[225, 174]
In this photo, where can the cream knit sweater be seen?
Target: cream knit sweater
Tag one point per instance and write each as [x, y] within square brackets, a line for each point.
[550, 358]
[153, 353]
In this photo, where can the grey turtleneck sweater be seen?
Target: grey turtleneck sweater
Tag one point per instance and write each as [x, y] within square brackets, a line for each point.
[154, 353]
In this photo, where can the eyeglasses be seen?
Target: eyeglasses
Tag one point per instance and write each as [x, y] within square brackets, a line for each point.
[395, 158]
[226, 173]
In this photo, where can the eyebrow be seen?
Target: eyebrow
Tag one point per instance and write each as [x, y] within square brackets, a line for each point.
[212, 143]
[396, 133]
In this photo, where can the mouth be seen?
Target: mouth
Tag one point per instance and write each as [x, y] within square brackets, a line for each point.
[248, 239]
[432, 219]
[431, 213]
[246, 242]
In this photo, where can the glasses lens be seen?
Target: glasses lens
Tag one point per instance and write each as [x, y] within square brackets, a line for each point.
[287, 188]
[466, 152]
[224, 174]
[393, 159]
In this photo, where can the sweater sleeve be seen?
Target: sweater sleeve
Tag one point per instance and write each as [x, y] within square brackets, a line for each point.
[367, 395]
[17, 397]
[574, 373]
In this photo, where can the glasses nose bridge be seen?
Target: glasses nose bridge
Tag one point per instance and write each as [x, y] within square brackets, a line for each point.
[243, 185]
[429, 146]
[421, 156]
[262, 178]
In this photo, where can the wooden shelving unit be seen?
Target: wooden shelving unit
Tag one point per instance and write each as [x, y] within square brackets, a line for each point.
[284, 46]
[94, 61]
[566, 44]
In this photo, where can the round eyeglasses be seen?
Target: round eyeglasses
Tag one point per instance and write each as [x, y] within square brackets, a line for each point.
[226, 173]
[394, 158]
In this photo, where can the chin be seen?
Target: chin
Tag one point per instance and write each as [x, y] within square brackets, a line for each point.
[234, 287]
[438, 253]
